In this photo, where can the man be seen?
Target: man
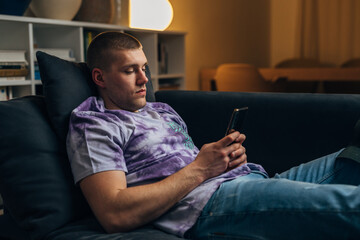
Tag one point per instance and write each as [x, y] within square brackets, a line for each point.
[136, 164]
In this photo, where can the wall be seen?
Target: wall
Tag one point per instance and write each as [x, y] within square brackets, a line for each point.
[222, 31]
[283, 16]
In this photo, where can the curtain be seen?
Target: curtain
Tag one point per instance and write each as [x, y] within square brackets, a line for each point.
[328, 30]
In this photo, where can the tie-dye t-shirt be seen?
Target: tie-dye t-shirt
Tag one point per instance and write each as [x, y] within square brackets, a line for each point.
[148, 146]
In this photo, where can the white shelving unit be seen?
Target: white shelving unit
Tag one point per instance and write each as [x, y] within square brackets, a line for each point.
[26, 33]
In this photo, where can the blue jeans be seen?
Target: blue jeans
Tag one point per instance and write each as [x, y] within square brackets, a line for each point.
[316, 200]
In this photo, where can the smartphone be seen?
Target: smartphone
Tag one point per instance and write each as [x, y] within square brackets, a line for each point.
[236, 120]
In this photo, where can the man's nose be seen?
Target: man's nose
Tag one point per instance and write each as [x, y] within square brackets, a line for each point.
[142, 78]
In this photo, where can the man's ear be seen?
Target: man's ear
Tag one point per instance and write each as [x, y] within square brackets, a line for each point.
[97, 74]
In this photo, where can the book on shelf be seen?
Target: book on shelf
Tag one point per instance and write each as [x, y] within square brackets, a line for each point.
[13, 72]
[12, 78]
[88, 37]
[162, 58]
[36, 71]
[13, 63]
[169, 86]
[5, 93]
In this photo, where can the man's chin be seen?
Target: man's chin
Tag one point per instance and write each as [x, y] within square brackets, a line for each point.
[138, 106]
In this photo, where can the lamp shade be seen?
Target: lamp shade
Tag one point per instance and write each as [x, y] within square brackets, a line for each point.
[150, 14]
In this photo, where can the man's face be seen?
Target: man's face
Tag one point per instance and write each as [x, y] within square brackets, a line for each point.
[124, 81]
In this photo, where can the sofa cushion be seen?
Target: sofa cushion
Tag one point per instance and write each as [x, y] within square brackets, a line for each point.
[65, 85]
[35, 177]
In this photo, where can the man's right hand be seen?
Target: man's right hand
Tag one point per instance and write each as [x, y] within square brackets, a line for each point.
[214, 158]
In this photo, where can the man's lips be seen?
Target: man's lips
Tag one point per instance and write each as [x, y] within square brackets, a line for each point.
[141, 91]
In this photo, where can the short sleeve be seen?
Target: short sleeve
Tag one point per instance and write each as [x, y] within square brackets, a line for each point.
[94, 144]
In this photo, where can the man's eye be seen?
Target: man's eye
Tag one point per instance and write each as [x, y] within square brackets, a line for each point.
[129, 71]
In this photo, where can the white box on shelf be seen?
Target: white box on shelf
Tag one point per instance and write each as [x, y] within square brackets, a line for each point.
[64, 53]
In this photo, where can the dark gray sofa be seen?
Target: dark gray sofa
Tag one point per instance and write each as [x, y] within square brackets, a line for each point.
[41, 201]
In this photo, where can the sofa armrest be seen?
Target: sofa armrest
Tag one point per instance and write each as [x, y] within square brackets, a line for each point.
[282, 129]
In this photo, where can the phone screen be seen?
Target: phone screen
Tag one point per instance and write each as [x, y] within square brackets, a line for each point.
[236, 120]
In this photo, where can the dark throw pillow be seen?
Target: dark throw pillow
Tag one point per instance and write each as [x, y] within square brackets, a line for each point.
[65, 85]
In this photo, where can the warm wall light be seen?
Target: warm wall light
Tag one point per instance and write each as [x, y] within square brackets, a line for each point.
[150, 14]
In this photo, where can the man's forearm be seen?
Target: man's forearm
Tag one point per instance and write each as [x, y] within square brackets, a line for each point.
[124, 209]
[143, 204]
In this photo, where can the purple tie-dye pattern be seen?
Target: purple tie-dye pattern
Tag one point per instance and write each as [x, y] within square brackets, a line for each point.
[148, 146]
